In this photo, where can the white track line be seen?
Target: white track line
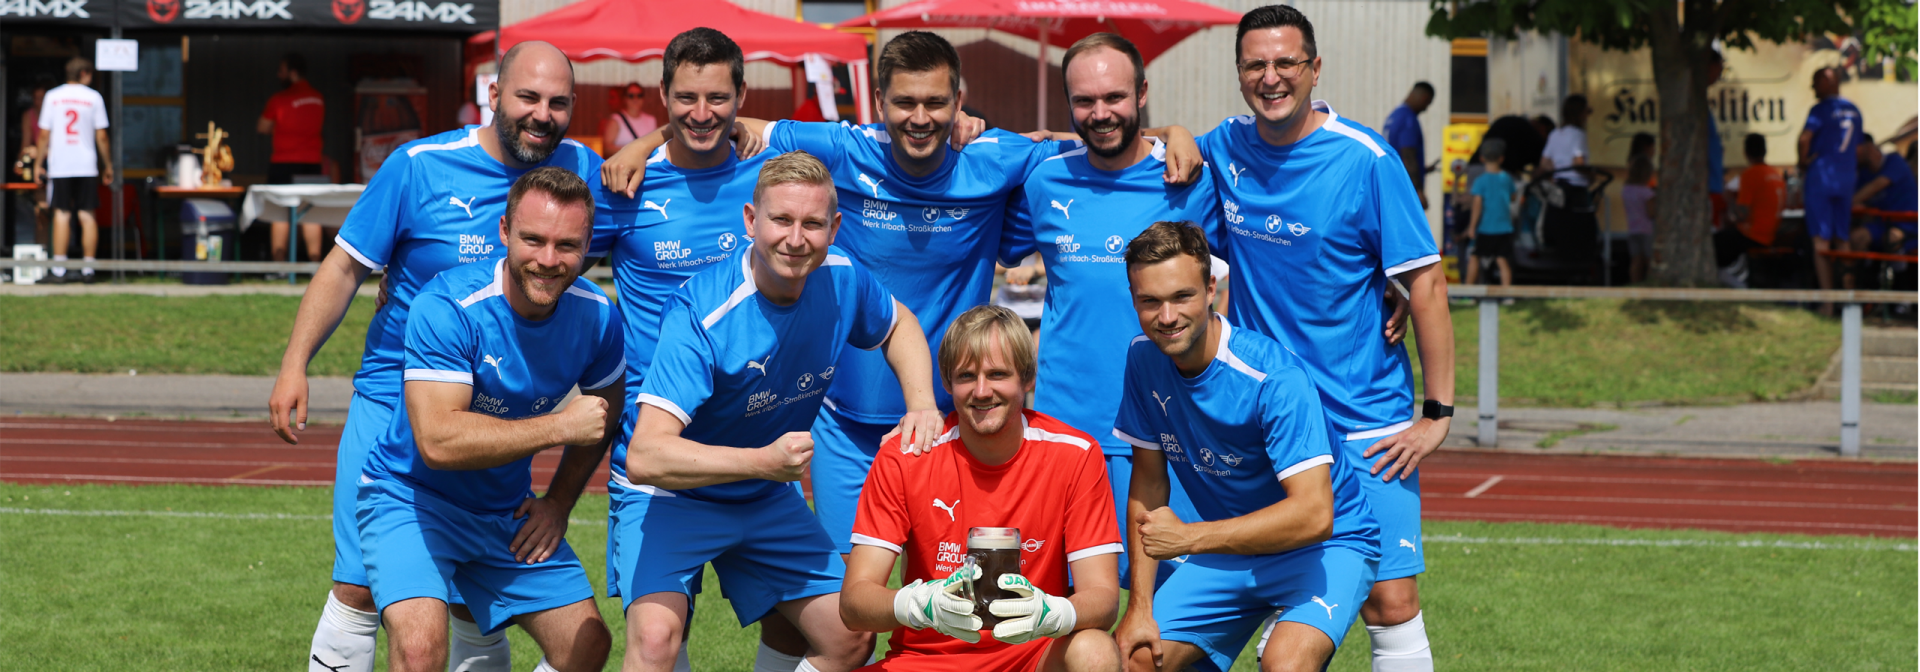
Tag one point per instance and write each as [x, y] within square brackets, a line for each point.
[1430, 475]
[1705, 543]
[1483, 486]
[1603, 520]
[1683, 502]
[109, 513]
[155, 460]
[160, 426]
[151, 445]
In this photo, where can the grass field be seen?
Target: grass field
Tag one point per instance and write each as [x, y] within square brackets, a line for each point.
[1553, 353]
[148, 582]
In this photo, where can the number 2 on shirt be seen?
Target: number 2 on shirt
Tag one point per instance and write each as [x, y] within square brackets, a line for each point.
[73, 117]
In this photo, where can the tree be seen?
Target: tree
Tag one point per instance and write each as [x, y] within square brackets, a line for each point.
[1680, 36]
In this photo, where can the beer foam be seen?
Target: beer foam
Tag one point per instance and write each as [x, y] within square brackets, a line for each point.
[993, 538]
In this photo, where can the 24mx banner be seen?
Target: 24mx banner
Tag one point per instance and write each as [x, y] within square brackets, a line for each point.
[450, 15]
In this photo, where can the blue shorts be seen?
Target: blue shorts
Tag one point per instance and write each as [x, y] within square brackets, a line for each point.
[1120, 476]
[1217, 602]
[843, 450]
[765, 551]
[1829, 215]
[367, 419]
[1396, 505]
[419, 545]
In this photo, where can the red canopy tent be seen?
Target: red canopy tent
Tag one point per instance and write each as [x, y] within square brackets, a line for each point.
[638, 30]
[1153, 26]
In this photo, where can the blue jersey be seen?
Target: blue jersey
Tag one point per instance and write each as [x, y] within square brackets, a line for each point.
[1836, 134]
[1081, 219]
[1313, 231]
[436, 203]
[1899, 196]
[1495, 190]
[739, 370]
[1716, 159]
[932, 238]
[518, 368]
[1403, 132]
[1231, 434]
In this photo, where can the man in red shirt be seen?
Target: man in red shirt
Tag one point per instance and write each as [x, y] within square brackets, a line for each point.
[294, 117]
[997, 465]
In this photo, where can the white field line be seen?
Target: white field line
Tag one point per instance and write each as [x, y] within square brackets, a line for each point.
[215, 515]
[1619, 520]
[1701, 543]
[1676, 501]
[1484, 486]
[1798, 485]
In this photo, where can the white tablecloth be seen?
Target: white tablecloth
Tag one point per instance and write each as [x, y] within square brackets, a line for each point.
[329, 202]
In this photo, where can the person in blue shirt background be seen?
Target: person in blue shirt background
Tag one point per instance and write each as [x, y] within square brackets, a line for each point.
[1282, 521]
[445, 499]
[1886, 184]
[1827, 146]
[435, 204]
[1404, 135]
[1491, 227]
[747, 352]
[1079, 209]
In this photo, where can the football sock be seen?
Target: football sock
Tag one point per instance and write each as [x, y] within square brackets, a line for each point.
[683, 663]
[88, 270]
[57, 271]
[343, 642]
[544, 666]
[1401, 648]
[771, 660]
[470, 651]
[806, 667]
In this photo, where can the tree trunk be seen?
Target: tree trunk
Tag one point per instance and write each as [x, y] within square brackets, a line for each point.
[1682, 233]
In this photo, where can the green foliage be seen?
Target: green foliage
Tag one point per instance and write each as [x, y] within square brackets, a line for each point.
[1628, 24]
[1890, 30]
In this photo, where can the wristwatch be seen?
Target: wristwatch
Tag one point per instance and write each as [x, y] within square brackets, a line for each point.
[1434, 410]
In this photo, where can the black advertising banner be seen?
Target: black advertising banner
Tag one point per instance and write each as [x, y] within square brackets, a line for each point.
[457, 16]
[67, 12]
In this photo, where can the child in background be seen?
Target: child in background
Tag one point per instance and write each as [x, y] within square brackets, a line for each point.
[1763, 190]
[1637, 197]
[1491, 228]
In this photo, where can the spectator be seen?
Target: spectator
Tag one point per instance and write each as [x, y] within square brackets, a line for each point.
[1543, 125]
[29, 140]
[1643, 146]
[1716, 152]
[1763, 192]
[1491, 230]
[1570, 227]
[1524, 142]
[294, 117]
[630, 122]
[73, 132]
[1403, 132]
[1887, 184]
[1637, 198]
[1827, 146]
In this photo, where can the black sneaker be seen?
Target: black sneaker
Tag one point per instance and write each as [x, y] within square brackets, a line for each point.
[89, 278]
[51, 279]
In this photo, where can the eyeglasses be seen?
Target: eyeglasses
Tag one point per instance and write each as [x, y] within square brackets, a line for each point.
[631, 94]
[1285, 67]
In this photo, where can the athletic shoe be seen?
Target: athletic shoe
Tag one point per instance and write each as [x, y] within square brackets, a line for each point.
[88, 278]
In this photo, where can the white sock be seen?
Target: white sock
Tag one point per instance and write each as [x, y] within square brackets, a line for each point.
[1402, 648]
[343, 642]
[88, 269]
[1266, 631]
[806, 667]
[470, 651]
[770, 660]
[544, 666]
[57, 270]
[685, 664]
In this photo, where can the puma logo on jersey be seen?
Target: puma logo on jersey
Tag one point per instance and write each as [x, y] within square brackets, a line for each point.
[871, 184]
[761, 365]
[1235, 172]
[1329, 607]
[1163, 401]
[662, 207]
[943, 506]
[1063, 208]
[467, 206]
[1409, 545]
[490, 360]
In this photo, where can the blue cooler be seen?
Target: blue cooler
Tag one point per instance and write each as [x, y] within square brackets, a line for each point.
[206, 234]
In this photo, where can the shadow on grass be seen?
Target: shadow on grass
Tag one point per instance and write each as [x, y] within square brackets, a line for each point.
[1702, 317]
[1550, 317]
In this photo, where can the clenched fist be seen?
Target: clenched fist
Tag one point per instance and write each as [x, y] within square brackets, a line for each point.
[584, 421]
[788, 456]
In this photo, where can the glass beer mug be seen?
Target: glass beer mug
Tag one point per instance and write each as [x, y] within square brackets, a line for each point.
[996, 550]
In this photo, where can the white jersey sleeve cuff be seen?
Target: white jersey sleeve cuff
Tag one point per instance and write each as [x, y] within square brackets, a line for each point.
[1304, 465]
[864, 540]
[618, 371]
[1428, 260]
[342, 243]
[439, 376]
[1123, 436]
[1102, 549]
[668, 406]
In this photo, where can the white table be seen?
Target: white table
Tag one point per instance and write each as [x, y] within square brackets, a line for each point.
[323, 204]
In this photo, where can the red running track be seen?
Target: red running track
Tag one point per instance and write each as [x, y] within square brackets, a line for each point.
[1802, 497]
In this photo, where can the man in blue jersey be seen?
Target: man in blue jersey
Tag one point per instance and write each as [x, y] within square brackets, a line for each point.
[1404, 135]
[1309, 261]
[1282, 523]
[1827, 147]
[1886, 184]
[436, 203]
[747, 351]
[1079, 209]
[445, 500]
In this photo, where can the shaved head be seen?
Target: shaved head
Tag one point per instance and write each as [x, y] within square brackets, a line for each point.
[532, 103]
[540, 53]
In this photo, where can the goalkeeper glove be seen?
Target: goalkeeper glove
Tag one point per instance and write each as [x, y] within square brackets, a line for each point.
[1038, 614]
[920, 605]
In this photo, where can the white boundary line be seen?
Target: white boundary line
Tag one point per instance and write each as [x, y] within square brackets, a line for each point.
[215, 515]
[1484, 485]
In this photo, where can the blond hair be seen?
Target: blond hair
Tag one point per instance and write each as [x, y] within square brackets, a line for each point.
[796, 167]
[970, 338]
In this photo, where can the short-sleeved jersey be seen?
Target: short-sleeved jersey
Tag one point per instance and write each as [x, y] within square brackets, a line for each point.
[464, 332]
[1054, 490]
[739, 370]
[1080, 218]
[1763, 189]
[1403, 132]
[1495, 190]
[298, 112]
[1234, 432]
[436, 203]
[70, 113]
[1835, 123]
[1565, 144]
[1899, 195]
[1313, 231]
[932, 238]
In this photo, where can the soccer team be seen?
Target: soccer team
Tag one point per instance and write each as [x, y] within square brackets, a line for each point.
[1254, 470]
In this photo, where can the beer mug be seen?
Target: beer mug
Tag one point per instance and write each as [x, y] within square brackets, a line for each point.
[996, 550]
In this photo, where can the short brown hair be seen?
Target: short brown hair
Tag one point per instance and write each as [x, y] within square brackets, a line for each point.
[1167, 240]
[917, 51]
[1107, 41]
[796, 167]
[560, 184]
[971, 334]
[78, 67]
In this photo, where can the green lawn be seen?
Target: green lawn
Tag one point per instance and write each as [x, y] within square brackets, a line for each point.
[242, 334]
[172, 591]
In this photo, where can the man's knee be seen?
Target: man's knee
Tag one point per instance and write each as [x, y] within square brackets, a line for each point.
[1391, 602]
[590, 647]
[1296, 647]
[1090, 651]
[358, 597]
[417, 635]
[654, 629]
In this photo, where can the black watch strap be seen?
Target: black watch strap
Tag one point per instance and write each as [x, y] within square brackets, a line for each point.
[1434, 410]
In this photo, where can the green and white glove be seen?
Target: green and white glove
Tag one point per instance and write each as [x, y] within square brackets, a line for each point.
[920, 605]
[1039, 614]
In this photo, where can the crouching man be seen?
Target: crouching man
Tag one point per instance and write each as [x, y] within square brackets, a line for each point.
[996, 466]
